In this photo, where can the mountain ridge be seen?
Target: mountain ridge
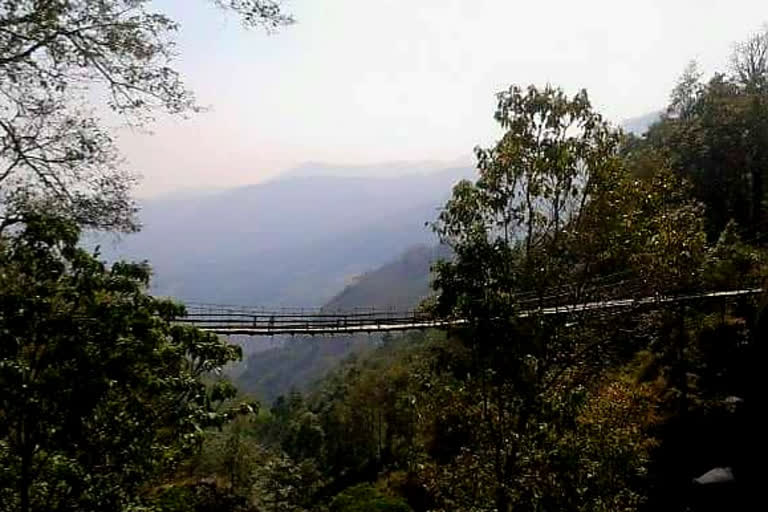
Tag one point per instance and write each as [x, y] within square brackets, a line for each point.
[295, 242]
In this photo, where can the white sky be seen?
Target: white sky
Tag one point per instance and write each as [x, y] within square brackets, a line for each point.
[366, 81]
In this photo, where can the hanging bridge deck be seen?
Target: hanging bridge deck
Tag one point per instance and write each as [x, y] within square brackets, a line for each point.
[253, 322]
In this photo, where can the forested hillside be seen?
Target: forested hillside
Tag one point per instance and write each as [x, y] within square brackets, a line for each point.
[645, 408]
[598, 300]
[297, 363]
[400, 285]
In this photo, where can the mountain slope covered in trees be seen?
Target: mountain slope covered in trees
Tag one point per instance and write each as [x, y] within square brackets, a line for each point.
[636, 409]
[299, 362]
[400, 285]
[110, 404]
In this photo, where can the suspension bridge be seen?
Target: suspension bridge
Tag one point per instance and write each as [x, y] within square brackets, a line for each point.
[233, 320]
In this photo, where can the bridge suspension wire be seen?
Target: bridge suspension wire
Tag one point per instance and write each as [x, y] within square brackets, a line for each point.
[256, 322]
[525, 297]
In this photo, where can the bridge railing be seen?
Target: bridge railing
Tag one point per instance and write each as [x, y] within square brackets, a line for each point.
[234, 320]
[299, 321]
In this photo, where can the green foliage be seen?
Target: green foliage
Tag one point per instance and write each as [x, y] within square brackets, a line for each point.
[108, 405]
[544, 190]
[200, 497]
[284, 485]
[364, 498]
[230, 454]
[102, 392]
[519, 228]
[555, 209]
[533, 412]
[733, 263]
[265, 13]
[298, 364]
[610, 448]
[715, 134]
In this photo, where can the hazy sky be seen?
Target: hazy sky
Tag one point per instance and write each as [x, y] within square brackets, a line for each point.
[366, 81]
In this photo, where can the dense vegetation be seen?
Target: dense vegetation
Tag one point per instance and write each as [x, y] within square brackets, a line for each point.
[613, 410]
[102, 394]
[108, 405]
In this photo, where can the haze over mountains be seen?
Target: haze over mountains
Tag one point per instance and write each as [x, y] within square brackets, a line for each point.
[336, 237]
[640, 124]
[294, 241]
[297, 240]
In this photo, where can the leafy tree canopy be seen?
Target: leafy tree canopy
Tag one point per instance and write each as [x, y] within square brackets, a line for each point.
[363, 498]
[102, 393]
[714, 134]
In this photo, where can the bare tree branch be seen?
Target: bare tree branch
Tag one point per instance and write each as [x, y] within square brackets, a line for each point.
[55, 57]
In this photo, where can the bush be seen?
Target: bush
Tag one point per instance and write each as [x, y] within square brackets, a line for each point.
[366, 498]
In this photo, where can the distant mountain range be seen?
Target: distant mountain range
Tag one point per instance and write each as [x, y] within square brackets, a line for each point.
[640, 124]
[394, 169]
[294, 241]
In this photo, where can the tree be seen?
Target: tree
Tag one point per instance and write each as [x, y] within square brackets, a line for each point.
[56, 57]
[283, 485]
[507, 232]
[686, 92]
[364, 498]
[531, 196]
[714, 135]
[750, 69]
[555, 217]
[749, 62]
[102, 392]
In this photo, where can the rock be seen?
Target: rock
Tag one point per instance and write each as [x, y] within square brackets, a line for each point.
[716, 476]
